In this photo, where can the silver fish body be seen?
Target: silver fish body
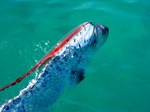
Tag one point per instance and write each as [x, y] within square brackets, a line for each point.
[65, 69]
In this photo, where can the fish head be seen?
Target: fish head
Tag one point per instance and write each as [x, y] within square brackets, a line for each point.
[87, 36]
[99, 37]
[91, 36]
[85, 41]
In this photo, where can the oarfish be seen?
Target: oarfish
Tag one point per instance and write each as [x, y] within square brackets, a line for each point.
[64, 67]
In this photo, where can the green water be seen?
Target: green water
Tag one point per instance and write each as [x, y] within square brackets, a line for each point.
[118, 77]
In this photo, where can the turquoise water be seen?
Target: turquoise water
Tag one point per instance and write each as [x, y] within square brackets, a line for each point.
[118, 77]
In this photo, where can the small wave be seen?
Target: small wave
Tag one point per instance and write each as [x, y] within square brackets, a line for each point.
[93, 5]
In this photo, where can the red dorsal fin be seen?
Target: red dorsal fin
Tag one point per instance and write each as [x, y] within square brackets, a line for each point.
[38, 65]
[44, 60]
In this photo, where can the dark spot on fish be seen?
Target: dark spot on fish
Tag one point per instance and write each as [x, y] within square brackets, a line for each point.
[6, 107]
[50, 65]
[44, 74]
[56, 58]
[93, 44]
[25, 92]
[65, 58]
[84, 27]
[79, 46]
[16, 101]
[84, 41]
[78, 74]
[73, 72]
[32, 91]
[46, 71]
[58, 68]
[75, 54]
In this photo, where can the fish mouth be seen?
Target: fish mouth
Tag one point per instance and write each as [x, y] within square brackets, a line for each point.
[101, 29]
[105, 29]
[100, 34]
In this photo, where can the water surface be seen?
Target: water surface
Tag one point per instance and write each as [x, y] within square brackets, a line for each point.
[117, 79]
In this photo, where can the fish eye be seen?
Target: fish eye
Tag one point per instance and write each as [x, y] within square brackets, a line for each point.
[93, 43]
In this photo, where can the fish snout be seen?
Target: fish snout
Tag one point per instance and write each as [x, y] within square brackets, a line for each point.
[101, 33]
[103, 29]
